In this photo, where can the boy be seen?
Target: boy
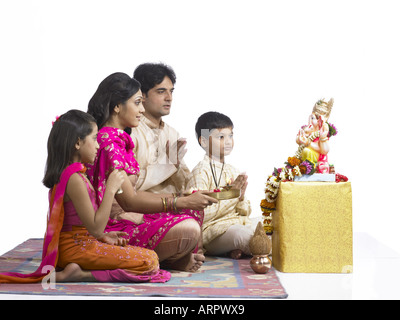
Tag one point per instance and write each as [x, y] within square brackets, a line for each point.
[226, 228]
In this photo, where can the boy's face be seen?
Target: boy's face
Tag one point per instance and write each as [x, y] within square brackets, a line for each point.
[219, 144]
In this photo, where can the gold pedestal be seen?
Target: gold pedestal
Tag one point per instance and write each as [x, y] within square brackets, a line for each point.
[313, 228]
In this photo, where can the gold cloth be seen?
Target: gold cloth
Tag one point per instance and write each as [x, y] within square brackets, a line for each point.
[313, 228]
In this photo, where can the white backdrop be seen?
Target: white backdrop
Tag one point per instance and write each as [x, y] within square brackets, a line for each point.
[263, 63]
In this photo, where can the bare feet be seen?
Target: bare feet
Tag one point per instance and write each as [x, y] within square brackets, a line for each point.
[73, 273]
[235, 254]
[189, 263]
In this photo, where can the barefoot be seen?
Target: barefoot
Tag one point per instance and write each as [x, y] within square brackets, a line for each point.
[200, 250]
[189, 263]
[198, 261]
[73, 273]
[235, 254]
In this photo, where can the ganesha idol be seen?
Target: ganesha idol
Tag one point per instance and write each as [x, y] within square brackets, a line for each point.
[313, 139]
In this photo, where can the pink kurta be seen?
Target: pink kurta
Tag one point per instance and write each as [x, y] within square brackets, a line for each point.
[116, 152]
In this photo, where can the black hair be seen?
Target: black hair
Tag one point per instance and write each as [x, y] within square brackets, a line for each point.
[210, 121]
[115, 89]
[64, 134]
[151, 74]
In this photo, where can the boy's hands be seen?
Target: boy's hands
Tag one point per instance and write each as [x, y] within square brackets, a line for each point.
[241, 183]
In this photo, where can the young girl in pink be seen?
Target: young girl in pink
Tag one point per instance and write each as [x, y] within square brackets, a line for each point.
[75, 240]
[167, 223]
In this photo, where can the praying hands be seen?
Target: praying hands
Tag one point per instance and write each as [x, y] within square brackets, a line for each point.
[241, 183]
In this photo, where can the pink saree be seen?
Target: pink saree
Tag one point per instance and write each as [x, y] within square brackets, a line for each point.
[55, 239]
[116, 152]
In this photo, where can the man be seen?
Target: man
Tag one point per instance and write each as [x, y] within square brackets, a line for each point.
[158, 147]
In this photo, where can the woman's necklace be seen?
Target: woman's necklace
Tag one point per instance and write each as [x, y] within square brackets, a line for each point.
[214, 173]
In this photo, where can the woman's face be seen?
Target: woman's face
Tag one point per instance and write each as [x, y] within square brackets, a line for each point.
[131, 111]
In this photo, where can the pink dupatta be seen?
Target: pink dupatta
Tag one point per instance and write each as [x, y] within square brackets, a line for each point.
[55, 220]
[115, 152]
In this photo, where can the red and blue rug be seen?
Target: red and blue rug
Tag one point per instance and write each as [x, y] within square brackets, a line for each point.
[218, 278]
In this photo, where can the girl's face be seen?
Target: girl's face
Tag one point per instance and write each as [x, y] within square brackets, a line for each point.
[131, 111]
[220, 143]
[87, 148]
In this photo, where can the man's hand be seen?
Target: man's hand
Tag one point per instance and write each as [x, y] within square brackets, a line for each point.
[176, 152]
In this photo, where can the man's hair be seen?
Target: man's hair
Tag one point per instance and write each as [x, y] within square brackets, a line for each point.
[151, 74]
[210, 121]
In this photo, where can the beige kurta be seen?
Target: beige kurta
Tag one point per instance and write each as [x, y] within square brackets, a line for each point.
[157, 173]
[220, 216]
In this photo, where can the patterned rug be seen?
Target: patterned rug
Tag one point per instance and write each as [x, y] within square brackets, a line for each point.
[218, 278]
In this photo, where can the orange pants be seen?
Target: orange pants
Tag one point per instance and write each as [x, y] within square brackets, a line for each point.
[80, 247]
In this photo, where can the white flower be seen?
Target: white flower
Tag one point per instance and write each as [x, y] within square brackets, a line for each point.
[297, 171]
[270, 197]
[273, 181]
[282, 175]
[272, 189]
[290, 174]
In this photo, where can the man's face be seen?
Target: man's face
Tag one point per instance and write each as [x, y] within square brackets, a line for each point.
[158, 99]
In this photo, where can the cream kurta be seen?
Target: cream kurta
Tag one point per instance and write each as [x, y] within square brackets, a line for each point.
[219, 216]
[157, 173]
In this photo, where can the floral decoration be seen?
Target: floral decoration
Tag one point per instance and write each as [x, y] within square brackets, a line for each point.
[293, 167]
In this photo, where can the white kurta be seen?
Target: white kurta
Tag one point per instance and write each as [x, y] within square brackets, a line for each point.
[157, 173]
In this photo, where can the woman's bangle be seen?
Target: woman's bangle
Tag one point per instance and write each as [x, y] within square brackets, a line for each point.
[174, 194]
[164, 201]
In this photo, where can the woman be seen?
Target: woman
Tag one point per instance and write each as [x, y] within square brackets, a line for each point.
[168, 224]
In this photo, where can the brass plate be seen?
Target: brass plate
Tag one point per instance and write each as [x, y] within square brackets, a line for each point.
[223, 195]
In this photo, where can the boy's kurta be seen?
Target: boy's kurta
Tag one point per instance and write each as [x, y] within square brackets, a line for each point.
[219, 216]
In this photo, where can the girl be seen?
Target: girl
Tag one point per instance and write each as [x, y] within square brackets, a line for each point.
[75, 238]
[169, 224]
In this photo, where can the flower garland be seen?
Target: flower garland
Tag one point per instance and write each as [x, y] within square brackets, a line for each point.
[293, 167]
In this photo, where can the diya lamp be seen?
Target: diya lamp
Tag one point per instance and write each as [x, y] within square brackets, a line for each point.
[228, 185]
[260, 247]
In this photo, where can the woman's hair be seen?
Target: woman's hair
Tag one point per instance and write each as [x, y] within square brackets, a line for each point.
[115, 89]
[210, 121]
[66, 131]
[151, 74]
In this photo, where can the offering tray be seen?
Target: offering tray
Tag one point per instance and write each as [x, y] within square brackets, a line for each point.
[223, 194]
